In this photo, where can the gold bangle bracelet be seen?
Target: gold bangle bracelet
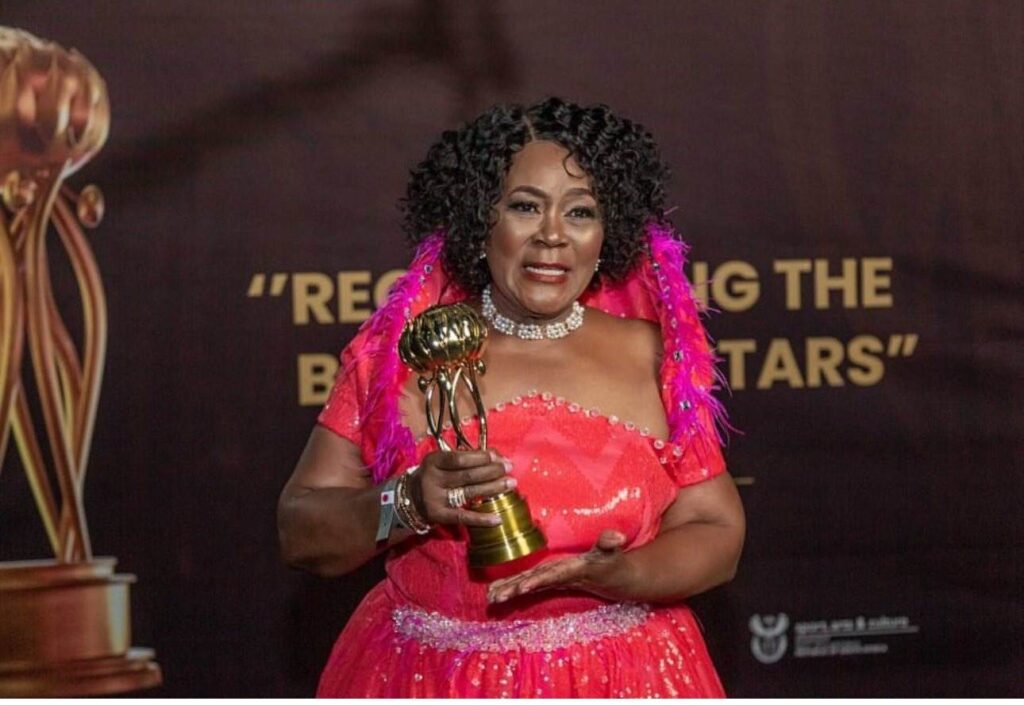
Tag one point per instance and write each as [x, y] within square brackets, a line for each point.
[405, 508]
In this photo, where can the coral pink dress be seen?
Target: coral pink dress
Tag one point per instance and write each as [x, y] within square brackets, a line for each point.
[427, 630]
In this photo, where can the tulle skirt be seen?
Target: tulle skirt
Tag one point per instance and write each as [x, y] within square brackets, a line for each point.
[390, 649]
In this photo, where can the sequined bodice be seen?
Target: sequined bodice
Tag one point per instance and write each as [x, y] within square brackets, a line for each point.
[580, 471]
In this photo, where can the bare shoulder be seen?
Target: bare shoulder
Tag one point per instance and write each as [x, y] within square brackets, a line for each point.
[640, 337]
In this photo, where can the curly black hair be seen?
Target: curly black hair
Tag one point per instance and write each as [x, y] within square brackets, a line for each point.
[458, 184]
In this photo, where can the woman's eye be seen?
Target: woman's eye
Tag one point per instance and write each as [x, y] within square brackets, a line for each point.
[523, 206]
[583, 212]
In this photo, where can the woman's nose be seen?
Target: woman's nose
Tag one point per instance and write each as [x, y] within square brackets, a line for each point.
[551, 230]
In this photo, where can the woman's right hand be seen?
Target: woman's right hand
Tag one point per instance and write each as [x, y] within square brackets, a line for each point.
[482, 473]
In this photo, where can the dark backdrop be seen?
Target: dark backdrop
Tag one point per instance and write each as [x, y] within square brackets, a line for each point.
[257, 152]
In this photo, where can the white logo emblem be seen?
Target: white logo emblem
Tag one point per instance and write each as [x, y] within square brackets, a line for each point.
[769, 642]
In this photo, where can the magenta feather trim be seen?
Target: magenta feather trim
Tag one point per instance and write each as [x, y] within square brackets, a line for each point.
[392, 441]
[696, 418]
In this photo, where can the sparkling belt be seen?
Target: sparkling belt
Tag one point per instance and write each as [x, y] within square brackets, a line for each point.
[448, 633]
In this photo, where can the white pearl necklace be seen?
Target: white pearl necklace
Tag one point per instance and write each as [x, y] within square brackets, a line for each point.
[529, 331]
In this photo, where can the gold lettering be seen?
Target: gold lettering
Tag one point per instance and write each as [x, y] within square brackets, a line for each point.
[310, 293]
[316, 377]
[734, 285]
[824, 356]
[875, 282]
[864, 350]
[780, 366]
[791, 269]
[845, 282]
[349, 296]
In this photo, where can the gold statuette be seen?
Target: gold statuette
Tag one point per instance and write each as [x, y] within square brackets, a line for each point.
[445, 346]
[65, 625]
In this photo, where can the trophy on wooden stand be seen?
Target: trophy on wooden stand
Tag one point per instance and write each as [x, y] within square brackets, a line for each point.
[445, 344]
[64, 623]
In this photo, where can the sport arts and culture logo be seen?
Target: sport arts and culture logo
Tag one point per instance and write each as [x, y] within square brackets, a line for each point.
[816, 638]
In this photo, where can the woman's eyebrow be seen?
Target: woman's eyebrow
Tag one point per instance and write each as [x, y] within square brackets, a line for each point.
[532, 190]
[540, 193]
[580, 191]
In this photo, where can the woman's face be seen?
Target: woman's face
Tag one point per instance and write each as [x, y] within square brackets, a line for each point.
[543, 249]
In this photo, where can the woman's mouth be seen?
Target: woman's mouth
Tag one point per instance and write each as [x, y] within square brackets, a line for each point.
[547, 273]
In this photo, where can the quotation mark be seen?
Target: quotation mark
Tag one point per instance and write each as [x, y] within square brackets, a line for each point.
[258, 285]
[902, 345]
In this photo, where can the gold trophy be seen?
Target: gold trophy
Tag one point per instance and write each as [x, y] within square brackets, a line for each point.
[65, 625]
[445, 344]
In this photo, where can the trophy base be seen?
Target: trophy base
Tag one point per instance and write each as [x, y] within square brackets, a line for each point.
[514, 538]
[65, 630]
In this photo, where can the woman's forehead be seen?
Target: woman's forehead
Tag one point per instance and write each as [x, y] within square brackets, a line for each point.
[547, 165]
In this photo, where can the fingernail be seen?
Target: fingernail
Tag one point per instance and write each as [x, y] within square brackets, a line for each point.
[508, 465]
[510, 482]
[495, 520]
[494, 455]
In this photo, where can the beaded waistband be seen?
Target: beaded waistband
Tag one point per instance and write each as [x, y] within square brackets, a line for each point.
[447, 633]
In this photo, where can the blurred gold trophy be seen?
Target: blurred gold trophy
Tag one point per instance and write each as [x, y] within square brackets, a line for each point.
[444, 344]
[64, 623]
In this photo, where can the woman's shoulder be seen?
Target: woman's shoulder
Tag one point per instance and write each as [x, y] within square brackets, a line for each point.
[639, 337]
[639, 330]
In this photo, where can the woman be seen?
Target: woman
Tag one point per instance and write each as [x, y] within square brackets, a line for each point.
[549, 220]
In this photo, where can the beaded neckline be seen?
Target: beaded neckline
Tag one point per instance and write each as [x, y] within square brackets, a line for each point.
[665, 450]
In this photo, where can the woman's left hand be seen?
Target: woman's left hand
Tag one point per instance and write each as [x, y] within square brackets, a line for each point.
[597, 571]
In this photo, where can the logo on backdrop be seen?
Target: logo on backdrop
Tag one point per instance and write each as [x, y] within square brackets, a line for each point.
[769, 642]
[817, 638]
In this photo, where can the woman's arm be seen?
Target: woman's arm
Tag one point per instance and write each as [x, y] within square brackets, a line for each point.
[328, 511]
[697, 548]
[327, 514]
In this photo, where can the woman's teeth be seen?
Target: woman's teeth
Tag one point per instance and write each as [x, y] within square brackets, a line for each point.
[546, 271]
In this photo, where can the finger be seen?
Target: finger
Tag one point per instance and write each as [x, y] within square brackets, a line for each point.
[548, 575]
[504, 583]
[609, 540]
[507, 592]
[489, 489]
[462, 459]
[504, 588]
[562, 576]
[473, 476]
[467, 517]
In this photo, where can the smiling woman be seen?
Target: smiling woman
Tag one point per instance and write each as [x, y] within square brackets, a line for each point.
[549, 220]
[546, 245]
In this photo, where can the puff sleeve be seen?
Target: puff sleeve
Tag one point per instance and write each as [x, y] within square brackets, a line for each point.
[340, 413]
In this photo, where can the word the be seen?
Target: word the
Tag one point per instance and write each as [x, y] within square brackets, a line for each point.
[859, 283]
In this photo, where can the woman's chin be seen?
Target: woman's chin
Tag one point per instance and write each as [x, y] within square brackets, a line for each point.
[545, 300]
[547, 311]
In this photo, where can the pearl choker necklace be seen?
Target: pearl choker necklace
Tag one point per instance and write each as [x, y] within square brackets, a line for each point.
[529, 331]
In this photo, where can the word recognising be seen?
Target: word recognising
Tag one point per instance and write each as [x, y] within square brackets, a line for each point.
[318, 298]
